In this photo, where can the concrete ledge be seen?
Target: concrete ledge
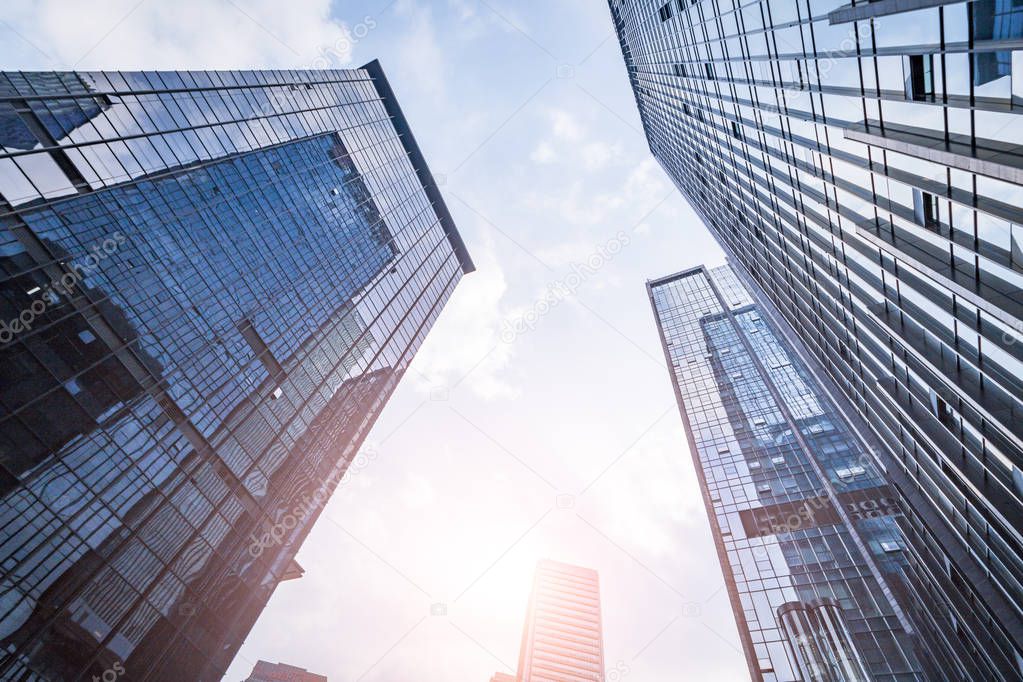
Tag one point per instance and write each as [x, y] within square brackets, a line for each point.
[960, 288]
[868, 10]
[988, 157]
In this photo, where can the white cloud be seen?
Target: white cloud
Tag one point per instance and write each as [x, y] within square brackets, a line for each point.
[418, 492]
[565, 253]
[465, 346]
[162, 35]
[418, 53]
[565, 126]
[579, 205]
[648, 495]
[569, 141]
[646, 181]
[597, 155]
[543, 153]
[475, 21]
[463, 9]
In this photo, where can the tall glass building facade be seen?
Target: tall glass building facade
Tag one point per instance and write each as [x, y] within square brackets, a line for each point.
[563, 638]
[804, 524]
[211, 283]
[861, 165]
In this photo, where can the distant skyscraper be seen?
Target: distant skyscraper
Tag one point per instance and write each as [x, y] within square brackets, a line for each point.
[562, 640]
[804, 525]
[282, 672]
[211, 284]
[861, 164]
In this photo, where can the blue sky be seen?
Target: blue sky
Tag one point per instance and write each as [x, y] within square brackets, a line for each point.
[538, 419]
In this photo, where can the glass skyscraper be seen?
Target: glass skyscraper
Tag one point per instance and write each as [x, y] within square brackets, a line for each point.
[861, 165]
[211, 283]
[562, 640]
[804, 524]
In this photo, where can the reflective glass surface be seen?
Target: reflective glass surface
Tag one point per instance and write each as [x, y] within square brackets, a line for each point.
[211, 283]
[799, 511]
[860, 162]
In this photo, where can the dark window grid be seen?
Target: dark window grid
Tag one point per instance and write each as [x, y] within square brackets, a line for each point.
[56, 313]
[132, 530]
[65, 312]
[217, 82]
[58, 383]
[339, 365]
[982, 531]
[142, 600]
[255, 99]
[937, 374]
[68, 545]
[21, 536]
[185, 133]
[454, 276]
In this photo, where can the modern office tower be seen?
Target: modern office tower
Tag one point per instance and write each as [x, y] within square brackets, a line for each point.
[211, 284]
[562, 640]
[860, 164]
[804, 524]
[282, 672]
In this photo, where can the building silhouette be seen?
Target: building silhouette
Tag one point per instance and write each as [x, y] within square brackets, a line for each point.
[282, 672]
[563, 635]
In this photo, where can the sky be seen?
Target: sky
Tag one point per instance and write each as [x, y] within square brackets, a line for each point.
[538, 419]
